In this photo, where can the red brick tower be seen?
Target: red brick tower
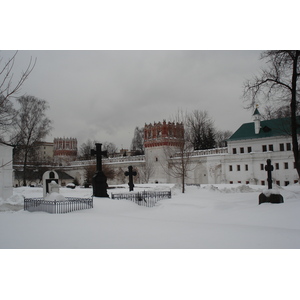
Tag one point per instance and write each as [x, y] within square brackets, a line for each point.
[163, 134]
[64, 149]
[160, 141]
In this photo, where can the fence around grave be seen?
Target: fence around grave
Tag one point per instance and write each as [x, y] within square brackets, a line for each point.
[145, 198]
[57, 207]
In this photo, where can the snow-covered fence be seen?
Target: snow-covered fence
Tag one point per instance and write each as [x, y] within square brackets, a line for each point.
[148, 199]
[58, 206]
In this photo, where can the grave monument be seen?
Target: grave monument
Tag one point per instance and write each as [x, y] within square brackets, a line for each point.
[99, 180]
[50, 183]
[270, 195]
[130, 173]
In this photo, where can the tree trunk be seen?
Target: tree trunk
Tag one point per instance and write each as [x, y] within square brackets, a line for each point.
[294, 125]
[25, 168]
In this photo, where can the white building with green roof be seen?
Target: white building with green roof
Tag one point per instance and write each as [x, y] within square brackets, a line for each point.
[255, 142]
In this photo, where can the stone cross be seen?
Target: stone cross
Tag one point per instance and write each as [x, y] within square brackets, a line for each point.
[269, 168]
[99, 179]
[98, 152]
[130, 173]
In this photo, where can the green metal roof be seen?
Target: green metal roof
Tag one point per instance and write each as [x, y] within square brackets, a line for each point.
[268, 128]
[256, 112]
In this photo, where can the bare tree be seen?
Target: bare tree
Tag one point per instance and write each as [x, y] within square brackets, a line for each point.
[10, 87]
[271, 112]
[137, 144]
[146, 171]
[179, 162]
[31, 126]
[89, 172]
[278, 83]
[199, 130]
[85, 149]
[221, 137]
[178, 157]
[111, 148]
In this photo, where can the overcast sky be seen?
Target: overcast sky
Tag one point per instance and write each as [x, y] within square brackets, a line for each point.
[104, 95]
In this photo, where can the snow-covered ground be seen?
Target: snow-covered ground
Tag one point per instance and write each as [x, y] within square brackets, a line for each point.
[210, 216]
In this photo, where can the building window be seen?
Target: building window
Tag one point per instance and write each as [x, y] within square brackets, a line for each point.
[247, 182]
[242, 150]
[288, 147]
[286, 165]
[262, 167]
[271, 148]
[295, 181]
[230, 168]
[281, 147]
[278, 182]
[277, 166]
[239, 182]
[231, 182]
[286, 183]
[249, 149]
[264, 148]
[262, 182]
[234, 150]
[238, 168]
[246, 167]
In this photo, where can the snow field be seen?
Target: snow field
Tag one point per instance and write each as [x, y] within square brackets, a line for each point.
[209, 218]
[206, 217]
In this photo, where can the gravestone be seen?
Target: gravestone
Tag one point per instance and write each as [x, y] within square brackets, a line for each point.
[130, 173]
[48, 178]
[269, 195]
[99, 180]
[269, 168]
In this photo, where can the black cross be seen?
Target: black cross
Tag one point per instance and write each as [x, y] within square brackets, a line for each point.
[130, 173]
[98, 154]
[99, 179]
[269, 168]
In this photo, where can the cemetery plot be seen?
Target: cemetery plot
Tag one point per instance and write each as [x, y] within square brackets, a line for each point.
[145, 198]
[67, 205]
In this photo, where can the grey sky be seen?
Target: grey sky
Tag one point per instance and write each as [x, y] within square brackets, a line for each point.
[104, 95]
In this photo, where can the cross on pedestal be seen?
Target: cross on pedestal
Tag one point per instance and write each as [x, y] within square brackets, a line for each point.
[269, 196]
[130, 173]
[269, 168]
[99, 179]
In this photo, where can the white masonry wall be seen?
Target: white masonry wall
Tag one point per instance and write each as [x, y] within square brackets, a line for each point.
[6, 172]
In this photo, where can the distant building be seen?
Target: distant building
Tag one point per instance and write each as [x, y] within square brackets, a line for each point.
[64, 150]
[44, 152]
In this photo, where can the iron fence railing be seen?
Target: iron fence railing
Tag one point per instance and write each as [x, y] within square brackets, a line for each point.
[57, 207]
[145, 198]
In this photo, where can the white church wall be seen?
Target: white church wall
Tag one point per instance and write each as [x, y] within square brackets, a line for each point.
[6, 171]
[157, 157]
[249, 168]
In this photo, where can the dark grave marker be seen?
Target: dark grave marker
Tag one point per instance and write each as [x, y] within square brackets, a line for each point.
[270, 197]
[130, 173]
[99, 180]
[269, 168]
